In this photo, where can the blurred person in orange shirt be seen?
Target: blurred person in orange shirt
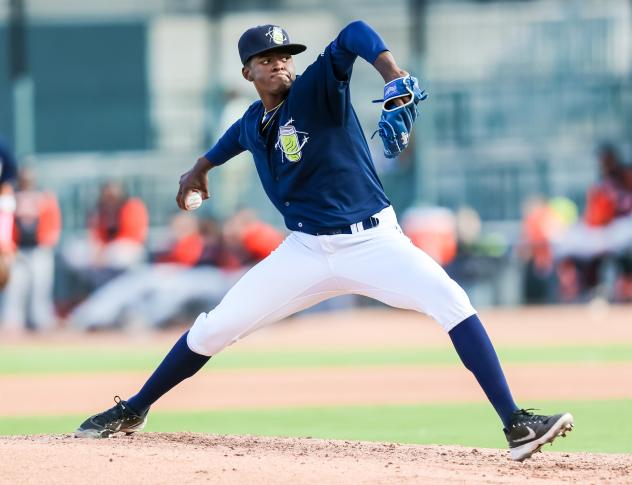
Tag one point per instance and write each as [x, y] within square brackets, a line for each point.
[604, 235]
[433, 229]
[197, 264]
[542, 226]
[118, 227]
[185, 244]
[260, 239]
[117, 231]
[28, 298]
[246, 240]
[611, 196]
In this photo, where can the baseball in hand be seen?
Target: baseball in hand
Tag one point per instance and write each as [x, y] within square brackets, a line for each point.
[193, 200]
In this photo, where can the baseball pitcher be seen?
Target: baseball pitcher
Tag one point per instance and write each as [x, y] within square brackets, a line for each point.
[315, 165]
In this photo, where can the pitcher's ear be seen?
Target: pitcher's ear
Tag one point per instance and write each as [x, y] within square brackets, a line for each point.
[245, 72]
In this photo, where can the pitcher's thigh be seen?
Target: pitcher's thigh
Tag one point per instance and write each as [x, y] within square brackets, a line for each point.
[290, 279]
[403, 276]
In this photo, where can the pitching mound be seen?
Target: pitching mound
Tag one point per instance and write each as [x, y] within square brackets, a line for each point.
[156, 458]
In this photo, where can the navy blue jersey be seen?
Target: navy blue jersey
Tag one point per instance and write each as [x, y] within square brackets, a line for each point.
[313, 159]
[8, 165]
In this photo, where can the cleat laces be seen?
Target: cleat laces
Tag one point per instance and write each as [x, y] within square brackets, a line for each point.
[114, 414]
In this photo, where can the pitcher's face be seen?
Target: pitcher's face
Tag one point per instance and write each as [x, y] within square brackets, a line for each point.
[271, 72]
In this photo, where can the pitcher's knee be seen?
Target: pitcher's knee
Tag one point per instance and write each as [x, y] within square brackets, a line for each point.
[208, 337]
[450, 305]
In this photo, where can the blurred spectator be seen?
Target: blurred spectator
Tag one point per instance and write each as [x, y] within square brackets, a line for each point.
[611, 196]
[117, 230]
[28, 298]
[8, 174]
[480, 257]
[171, 290]
[185, 244]
[246, 240]
[457, 243]
[602, 242]
[118, 227]
[432, 229]
[259, 240]
[211, 233]
[544, 222]
[478, 252]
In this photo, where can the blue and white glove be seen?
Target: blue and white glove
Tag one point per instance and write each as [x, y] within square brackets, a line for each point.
[396, 122]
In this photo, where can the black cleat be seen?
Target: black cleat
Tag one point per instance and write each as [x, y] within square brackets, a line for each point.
[528, 432]
[119, 419]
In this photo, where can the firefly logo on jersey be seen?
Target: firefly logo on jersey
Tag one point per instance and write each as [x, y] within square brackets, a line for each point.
[290, 143]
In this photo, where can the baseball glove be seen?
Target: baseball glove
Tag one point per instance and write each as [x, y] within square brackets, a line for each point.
[396, 122]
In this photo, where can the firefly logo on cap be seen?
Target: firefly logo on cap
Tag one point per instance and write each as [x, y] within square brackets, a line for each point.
[276, 35]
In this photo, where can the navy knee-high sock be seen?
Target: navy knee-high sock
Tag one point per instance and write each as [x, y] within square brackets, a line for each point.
[477, 353]
[181, 362]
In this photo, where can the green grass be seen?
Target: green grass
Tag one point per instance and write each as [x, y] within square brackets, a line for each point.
[38, 360]
[601, 426]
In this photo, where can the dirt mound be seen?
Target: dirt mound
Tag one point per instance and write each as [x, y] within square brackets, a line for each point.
[158, 458]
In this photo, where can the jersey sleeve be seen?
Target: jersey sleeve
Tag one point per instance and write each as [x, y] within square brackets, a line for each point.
[8, 165]
[356, 39]
[324, 85]
[227, 146]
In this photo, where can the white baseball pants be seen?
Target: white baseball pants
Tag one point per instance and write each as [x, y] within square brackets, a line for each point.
[380, 263]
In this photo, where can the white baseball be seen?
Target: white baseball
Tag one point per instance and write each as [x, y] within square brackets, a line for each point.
[193, 200]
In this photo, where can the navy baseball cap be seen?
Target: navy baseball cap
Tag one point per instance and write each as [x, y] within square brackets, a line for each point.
[264, 38]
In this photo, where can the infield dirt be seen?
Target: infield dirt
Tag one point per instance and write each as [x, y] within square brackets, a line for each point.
[165, 458]
[193, 458]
